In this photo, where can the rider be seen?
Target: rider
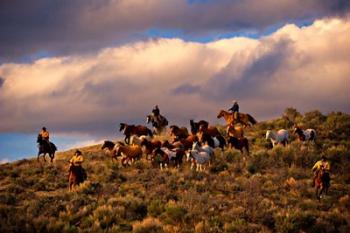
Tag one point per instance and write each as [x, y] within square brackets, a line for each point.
[321, 164]
[77, 161]
[235, 110]
[77, 158]
[156, 113]
[45, 135]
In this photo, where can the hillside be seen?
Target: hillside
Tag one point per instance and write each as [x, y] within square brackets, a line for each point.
[269, 191]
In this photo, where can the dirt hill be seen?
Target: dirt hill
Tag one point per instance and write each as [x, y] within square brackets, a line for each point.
[269, 191]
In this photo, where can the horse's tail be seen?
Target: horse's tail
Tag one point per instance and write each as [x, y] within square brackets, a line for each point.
[251, 119]
[53, 147]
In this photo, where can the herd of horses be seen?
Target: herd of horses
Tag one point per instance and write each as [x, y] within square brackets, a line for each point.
[196, 145]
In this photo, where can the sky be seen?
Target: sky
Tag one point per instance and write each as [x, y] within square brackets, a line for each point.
[82, 67]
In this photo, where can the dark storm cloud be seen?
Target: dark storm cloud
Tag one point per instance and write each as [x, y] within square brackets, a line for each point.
[186, 89]
[40, 27]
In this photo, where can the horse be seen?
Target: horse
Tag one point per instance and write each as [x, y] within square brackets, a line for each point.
[130, 152]
[136, 140]
[203, 126]
[305, 135]
[235, 131]
[244, 118]
[239, 143]
[282, 136]
[130, 130]
[217, 141]
[46, 147]
[187, 142]
[148, 146]
[199, 157]
[179, 133]
[159, 123]
[196, 125]
[322, 183]
[76, 176]
[110, 146]
[164, 155]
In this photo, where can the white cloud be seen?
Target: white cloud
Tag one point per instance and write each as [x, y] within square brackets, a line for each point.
[302, 67]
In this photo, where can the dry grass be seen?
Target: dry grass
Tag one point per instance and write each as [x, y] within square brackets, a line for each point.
[269, 191]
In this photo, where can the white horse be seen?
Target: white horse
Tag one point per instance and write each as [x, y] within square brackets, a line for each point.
[282, 136]
[305, 135]
[200, 156]
[136, 140]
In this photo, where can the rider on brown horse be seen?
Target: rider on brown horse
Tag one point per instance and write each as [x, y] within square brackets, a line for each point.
[319, 165]
[235, 110]
[75, 166]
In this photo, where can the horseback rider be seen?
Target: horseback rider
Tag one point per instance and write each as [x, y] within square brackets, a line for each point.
[77, 161]
[45, 135]
[235, 110]
[159, 119]
[320, 165]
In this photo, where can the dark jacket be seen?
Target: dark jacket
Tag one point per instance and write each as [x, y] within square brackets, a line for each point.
[234, 108]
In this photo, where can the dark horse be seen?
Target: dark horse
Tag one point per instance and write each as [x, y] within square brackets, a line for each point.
[213, 142]
[196, 125]
[203, 126]
[46, 148]
[239, 143]
[322, 183]
[77, 175]
[178, 133]
[130, 130]
[159, 123]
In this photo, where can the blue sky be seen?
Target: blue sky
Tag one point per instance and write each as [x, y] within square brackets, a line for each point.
[85, 66]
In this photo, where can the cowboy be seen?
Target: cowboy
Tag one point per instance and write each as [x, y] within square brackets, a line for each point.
[77, 161]
[45, 135]
[235, 110]
[156, 111]
[319, 165]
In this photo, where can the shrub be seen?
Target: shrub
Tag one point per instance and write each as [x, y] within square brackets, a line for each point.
[155, 208]
[175, 213]
[148, 225]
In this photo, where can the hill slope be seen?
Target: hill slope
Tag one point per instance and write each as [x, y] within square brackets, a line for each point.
[270, 191]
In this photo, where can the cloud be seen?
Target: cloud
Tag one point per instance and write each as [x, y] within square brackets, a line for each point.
[93, 93]
[64, 27]
[186, 89]
[1, 82]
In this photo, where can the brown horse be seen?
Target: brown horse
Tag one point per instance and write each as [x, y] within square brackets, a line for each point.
[177, 132]
[149, 146]
[196, 125]
[76, 176]
[235, 131]
[110, 146]
[131, 153]
[322, 183]
[239, 144]
[187, 142]
[130, 130]
[163, 156]
[211, 131]
[244, 119]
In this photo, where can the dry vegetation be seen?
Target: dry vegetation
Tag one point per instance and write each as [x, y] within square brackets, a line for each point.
[268, 192]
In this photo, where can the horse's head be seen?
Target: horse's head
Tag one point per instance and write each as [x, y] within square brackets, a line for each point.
[122, 126]
[108, 145]
[149, 119]
[221, 114]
